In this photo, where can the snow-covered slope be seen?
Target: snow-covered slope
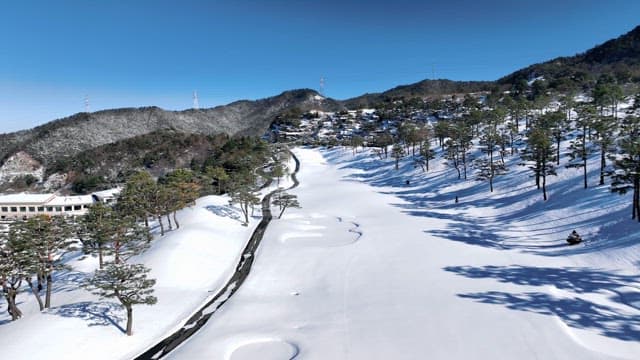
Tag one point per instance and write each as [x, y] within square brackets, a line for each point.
[190, 264]
[373, 268]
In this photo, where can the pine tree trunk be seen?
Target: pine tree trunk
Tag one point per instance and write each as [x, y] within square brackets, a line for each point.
[491, 169]
[636, 197]
[129, 320]
[584, 155]
[161, 225]
[47, 299]
[36, 293]
[584, 171]
[100, 257]
[558, 150]
[175, 220]
[40, 277]
[169, 221]
[281, 212]
[12, 307]
[602, 164]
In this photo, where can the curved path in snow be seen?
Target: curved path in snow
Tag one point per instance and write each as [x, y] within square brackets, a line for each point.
[195, 323]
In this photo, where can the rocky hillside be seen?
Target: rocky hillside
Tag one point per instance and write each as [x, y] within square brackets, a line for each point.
[84, 131]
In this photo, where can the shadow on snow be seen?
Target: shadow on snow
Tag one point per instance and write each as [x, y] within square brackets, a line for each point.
[577, 312]
[94, 313]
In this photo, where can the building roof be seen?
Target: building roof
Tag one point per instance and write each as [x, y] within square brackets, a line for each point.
[70, 200]
[26, 199]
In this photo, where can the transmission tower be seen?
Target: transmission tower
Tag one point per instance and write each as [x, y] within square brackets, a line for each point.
[87, 108]
[196, 105]
[322, 85]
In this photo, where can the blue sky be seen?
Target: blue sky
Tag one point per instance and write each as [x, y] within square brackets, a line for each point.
[157, 52]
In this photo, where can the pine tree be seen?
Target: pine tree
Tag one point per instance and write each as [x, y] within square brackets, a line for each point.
[285, 200]
[97, 229]
[242, 192]
[128, 283]
[579, 148]
[627, 163]
[540, 155]
[12, 274]
[397, 153]
[50, 239]
[219, 174]
[604, 127]
[20, 242]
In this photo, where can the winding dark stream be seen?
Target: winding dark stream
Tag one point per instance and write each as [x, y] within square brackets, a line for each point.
[197, 321]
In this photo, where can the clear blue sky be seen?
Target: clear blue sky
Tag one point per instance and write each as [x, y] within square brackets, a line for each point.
[157, 52]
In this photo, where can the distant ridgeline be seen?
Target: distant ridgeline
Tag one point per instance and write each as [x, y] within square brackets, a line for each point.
[87, 149]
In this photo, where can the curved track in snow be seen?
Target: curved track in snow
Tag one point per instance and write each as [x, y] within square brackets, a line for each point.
[202, 315]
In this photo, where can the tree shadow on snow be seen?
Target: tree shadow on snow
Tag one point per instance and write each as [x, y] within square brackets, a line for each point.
[94, 313]
[620, 321]
[225, 211]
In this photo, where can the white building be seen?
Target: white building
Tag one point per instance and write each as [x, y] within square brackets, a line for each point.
[22, 206]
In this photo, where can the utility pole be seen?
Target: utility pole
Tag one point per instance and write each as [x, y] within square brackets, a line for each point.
[196, 105]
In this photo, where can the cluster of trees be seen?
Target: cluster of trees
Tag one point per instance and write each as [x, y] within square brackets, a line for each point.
[532, 123]
[32, 250]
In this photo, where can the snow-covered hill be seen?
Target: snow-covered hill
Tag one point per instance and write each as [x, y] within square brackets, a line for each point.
[373, 267]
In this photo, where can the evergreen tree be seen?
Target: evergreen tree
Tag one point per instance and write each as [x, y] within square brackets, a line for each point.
[242, 192]
[604, 127]
[97, 230]
[128, 283]
[12, 273]
[219, 174]
[285, 200]
[579, 148]
[539, 155]
[627, 163]
[397, 153]
[49, 238]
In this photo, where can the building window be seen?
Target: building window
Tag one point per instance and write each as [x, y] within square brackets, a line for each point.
[58, 208]
[14, 209]
[40, 208]
[68, 208]
[50, 208]
[23, 209]
[5, 209]
[77, 207]
[32, 209]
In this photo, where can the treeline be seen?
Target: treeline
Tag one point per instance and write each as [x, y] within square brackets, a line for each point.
[531, 125]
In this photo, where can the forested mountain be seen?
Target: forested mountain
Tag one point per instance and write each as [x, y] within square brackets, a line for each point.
[619, 58]
[84, 131]
[420, 89]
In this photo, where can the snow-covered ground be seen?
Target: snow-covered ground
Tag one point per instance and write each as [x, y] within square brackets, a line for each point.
[190, 264]
[373, 268]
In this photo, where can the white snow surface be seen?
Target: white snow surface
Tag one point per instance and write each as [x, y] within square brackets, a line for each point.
[374, 268]
[190, 264]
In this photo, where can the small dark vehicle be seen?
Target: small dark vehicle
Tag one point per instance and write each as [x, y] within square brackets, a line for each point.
[574, 238]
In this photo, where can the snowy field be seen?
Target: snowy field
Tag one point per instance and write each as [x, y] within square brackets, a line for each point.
[374, 268]
[190, 264]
